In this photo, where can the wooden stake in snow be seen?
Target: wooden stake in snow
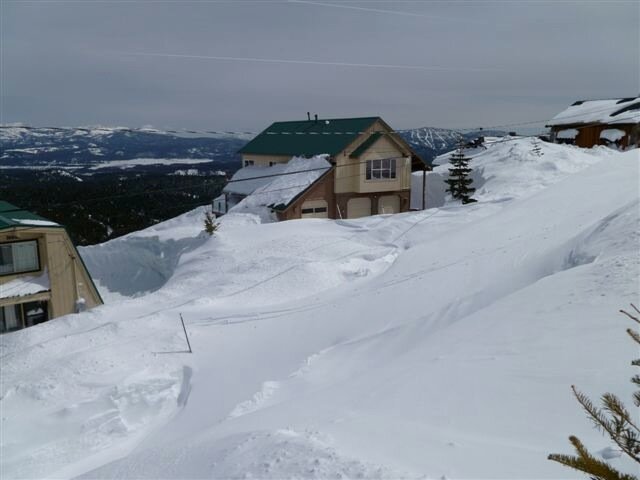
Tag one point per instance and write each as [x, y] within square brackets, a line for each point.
[185, 334]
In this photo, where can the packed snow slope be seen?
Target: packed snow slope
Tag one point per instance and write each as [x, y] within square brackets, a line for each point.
[439, 343]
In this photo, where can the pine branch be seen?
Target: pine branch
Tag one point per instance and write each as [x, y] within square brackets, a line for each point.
[615, 407]
[602, 423]
[587, 463]
[632, 317]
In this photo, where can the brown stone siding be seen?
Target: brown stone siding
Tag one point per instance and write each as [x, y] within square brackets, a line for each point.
[321, 190]
[343, 198]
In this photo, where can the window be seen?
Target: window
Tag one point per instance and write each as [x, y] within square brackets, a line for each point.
[34, 313]
[248, 163]
[19, 257]
[22, 315]
[314, 210]
[271, 164]
[10, 318]
[384, 169]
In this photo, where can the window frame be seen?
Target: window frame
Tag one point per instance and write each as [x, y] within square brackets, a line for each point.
[377, 166]
[313, 210]
[39, 263]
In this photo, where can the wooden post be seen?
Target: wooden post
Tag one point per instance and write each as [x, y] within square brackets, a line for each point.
[424, 187]
[185, 334]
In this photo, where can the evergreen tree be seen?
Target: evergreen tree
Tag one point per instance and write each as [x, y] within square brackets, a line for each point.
[210, 226]
[614, 420]
[459, 180]
[536, 150]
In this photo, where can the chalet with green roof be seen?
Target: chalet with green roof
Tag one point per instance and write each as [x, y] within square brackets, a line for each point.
[370, 167]
[42, 276]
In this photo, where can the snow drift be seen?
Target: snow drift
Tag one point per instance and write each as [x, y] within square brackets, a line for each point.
[428, 344]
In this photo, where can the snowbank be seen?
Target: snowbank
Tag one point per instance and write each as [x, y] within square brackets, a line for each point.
[508, 170]
[439, 343]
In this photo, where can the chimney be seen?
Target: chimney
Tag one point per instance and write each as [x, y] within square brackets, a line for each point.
[316, 117]
[308, 116]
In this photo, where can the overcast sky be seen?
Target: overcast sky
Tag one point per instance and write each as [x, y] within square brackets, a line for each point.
[239, 65]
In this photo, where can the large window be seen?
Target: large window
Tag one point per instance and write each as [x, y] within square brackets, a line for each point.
[19, 257]
[384, 169]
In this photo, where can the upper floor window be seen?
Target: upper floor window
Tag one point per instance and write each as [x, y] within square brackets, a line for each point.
[248, 163]
[384, 169]
[19, 257]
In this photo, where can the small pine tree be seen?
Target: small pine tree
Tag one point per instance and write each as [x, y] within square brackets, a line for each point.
[459, 180]
[210, 226]
[614, 420]
[536, 149]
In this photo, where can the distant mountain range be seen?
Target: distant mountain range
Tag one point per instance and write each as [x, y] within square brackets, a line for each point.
[84, 148]
[429, 142]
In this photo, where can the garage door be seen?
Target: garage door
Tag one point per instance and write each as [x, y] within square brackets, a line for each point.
[315, 209]
[389, 204]
[359, 207]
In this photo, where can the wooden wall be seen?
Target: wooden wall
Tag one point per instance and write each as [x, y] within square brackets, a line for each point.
[68, 278]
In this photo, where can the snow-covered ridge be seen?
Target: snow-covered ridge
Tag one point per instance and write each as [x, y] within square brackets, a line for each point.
[341, 349]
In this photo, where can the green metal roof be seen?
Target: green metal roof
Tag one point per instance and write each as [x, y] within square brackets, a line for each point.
[12, 216]
[364, 146]
[308, 137]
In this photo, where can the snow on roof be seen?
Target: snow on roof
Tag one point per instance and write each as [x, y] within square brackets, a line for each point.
[37, 223]
[297, 175]
[27, 285]
[568, 133]
[617, 110]
[12, 216]
[242, 184]
[612, 134]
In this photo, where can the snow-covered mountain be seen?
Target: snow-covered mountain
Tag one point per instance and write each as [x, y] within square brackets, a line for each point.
[86, 147]
[431, 344]
[430, 142]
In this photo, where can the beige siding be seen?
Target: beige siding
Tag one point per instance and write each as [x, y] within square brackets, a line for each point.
[351, 172]
[68, 278]
[347, 173]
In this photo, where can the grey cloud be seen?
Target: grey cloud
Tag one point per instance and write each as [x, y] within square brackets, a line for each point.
[70, 63]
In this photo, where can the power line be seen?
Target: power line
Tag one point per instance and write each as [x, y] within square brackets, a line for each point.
[267, 132]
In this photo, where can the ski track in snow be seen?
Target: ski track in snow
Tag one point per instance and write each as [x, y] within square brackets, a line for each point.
[406, 346]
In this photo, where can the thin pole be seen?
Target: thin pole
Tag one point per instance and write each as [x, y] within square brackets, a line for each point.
[424, 187]
[185, 334]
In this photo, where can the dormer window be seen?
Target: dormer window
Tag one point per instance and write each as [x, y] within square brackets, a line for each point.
[19, 257]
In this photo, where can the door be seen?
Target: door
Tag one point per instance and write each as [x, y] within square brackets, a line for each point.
[315, 209]
[359, 207]
[389, 204]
